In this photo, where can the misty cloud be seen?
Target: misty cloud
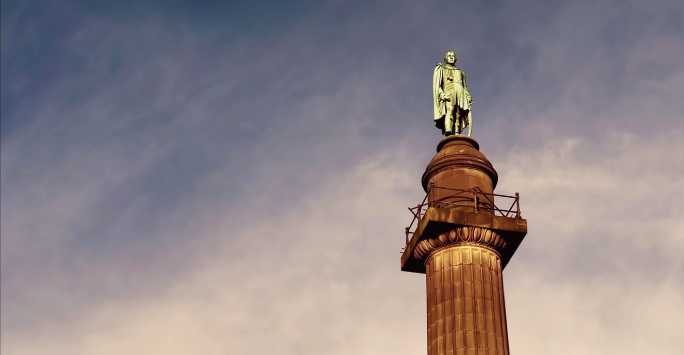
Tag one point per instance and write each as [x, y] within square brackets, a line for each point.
[183, 180]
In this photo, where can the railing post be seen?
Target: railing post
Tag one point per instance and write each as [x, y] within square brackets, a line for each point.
[475, 206]
[517, 205]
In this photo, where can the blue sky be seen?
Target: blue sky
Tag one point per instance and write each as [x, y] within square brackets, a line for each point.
[186, 177]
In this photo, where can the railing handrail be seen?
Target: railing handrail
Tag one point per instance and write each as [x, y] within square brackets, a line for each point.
[470, 190]
[486, 203]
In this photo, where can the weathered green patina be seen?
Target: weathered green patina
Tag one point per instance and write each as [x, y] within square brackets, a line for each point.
[452, 100]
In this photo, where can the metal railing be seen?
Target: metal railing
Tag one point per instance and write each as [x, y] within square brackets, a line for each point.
[473, 199]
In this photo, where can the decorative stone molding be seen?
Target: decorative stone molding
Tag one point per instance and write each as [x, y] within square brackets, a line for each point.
[458, 152]
[462, 234]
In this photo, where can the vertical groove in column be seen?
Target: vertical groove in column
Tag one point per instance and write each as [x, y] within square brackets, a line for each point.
[471, 341]
[478, 312]
[503, 315]
[466, 310]
[491, 310]
[501, 326]
[440, 305]
[428, 303]
[484, 311]
[462, 303]
[449, 320]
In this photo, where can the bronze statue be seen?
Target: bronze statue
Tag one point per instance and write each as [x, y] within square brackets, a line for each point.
[452, 100]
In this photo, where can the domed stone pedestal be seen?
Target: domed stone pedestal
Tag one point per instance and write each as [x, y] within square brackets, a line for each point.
[462, 243]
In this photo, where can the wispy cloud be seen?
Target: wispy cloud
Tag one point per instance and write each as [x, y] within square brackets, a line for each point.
[172, 186]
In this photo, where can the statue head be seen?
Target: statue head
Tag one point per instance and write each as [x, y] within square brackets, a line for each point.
[450, 57]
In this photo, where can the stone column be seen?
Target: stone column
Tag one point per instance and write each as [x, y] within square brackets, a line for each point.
[462, 242]
[463, 265]
[466, 313]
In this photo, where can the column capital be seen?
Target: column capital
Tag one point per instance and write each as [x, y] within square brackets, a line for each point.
[470, 235]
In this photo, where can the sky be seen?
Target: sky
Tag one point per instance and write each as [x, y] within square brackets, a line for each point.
[217, 177]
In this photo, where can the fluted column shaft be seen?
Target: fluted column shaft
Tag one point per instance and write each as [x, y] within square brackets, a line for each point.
[465, 301]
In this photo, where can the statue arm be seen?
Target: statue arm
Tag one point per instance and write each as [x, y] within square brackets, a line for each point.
[437, 92]
[465, 87]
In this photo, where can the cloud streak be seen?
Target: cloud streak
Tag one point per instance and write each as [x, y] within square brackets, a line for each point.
[172, 186]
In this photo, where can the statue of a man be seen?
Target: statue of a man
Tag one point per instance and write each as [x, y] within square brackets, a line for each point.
[452, 100]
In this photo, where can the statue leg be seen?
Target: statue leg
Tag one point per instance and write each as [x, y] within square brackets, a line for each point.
[460, 120]
[449, 122]
[470, 123]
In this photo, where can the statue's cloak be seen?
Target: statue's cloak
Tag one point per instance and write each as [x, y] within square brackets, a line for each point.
[463, 99]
